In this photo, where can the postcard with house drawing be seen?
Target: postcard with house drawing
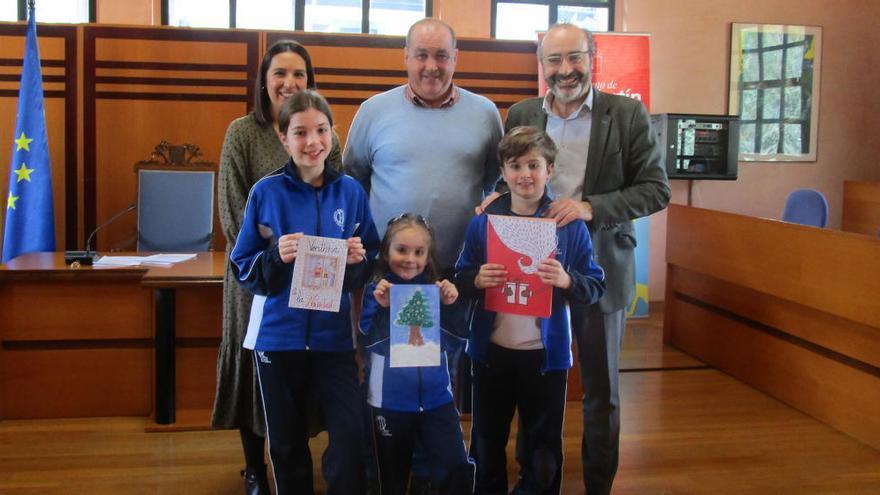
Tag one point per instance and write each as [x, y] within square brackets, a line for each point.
[317, 273]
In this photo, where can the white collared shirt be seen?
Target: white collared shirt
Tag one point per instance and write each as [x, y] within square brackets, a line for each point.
[571, 134]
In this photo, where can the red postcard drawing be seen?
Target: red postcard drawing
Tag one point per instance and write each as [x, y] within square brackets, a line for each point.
[520, 243]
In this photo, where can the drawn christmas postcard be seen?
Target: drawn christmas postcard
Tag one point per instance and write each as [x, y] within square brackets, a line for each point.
[415, 325]
[318, 273]
[520, 243]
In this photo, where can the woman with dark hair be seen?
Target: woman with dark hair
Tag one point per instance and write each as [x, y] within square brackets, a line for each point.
[252, 148]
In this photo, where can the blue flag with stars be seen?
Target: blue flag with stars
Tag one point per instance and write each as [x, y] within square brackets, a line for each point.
[30, 217]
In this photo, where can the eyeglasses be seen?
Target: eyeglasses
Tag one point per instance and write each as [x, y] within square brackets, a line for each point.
[574, 58]
[410, 216]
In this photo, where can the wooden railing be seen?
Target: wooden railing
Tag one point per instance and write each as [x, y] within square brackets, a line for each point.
[791, 310]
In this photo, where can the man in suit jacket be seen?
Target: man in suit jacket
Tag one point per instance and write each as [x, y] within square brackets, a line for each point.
[608, 172]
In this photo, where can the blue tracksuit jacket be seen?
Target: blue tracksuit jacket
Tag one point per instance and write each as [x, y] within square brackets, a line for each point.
[404, 389]
[281, 203]
[574, 250]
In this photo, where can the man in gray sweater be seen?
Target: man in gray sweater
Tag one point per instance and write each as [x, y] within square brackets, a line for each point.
[427, 147]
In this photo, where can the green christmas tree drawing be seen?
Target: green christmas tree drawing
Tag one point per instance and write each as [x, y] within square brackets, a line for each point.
[415, 314]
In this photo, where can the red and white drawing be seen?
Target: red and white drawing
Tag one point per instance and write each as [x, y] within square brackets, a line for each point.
[520, 243]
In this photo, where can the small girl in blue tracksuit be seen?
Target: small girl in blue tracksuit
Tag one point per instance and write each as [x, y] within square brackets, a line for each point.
[415, 401]
[302, 354]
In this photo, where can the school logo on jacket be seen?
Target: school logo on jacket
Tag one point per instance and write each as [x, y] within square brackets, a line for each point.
[339, 217]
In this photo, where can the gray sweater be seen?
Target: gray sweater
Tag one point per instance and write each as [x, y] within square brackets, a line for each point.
[435, 162]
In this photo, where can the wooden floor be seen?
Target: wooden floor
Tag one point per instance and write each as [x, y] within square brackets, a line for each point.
[687, 429]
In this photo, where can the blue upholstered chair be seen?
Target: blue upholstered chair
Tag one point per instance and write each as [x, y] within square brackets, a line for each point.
[806, 207]
[175, 210]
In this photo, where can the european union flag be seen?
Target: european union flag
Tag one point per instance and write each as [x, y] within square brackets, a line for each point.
[30, 217]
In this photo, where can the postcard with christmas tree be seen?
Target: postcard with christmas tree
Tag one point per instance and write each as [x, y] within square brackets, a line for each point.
[415, 325]
[318, 272]
[520, 243]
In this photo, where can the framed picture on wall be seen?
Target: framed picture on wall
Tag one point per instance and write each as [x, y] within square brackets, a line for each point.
[774, 89]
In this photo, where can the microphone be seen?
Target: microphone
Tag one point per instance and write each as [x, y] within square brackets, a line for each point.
[88, 256]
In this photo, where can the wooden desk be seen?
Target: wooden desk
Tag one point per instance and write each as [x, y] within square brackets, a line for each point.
[80, 342]
[861, 207]
[792, 310]
[188, 299]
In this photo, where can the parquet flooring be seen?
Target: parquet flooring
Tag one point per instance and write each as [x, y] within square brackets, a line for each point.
[687, 429]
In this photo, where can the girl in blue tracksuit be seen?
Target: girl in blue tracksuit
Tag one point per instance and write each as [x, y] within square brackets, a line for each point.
[302, 354]
[415, 401]
[520, 363]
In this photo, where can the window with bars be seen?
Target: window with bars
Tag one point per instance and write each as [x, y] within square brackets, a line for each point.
[390, 17]
[522, 19]
[775, 93]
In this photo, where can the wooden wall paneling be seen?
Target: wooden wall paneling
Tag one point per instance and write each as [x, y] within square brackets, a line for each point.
[471, 18]
[861, 207]
[840, 395]
[128, 12]
[58, 55]
[145, 85]
[351, 68]
[123, 145]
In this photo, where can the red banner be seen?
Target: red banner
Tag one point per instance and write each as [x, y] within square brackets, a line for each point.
[622, 65]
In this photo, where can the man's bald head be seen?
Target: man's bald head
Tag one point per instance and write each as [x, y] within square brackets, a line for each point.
[429, 22]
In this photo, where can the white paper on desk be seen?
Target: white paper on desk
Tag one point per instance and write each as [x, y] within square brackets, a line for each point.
[167, 259]
[119, 260]
[318, 273]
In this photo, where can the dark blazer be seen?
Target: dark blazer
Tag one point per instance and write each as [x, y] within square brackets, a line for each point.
[625, 180]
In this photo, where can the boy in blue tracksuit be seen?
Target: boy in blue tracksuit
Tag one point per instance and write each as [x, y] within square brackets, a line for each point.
[521, 362]
[304, 353]
[409, 403]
